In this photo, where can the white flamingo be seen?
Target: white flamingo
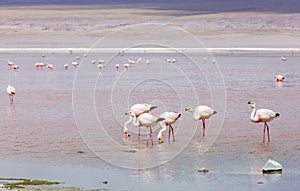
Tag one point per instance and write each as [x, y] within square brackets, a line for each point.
[75, 64]
[10, 63]
[66, 66]
[201, 113]
[15, 67]
[283, 59]
[263, 116]
[117, 66]
[101, 61]
[170, 119]
[50, 66]
[100, 66]
[138, 109]
[279, 78]
[11, 91]
[147, 120]
[126, 65]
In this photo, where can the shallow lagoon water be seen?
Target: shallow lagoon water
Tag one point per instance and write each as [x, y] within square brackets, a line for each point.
[40, 138]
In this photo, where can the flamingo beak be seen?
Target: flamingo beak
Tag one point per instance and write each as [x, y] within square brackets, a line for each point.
[127, 113]
[160, 141]
[250, 102]
[127, 134]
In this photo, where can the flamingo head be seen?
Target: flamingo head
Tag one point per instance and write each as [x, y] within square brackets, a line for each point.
[131, 113]
[188, 109]
[252, 104]
[160, 141]
[127, 134]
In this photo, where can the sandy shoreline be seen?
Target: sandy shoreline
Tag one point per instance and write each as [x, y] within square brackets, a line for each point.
[81, 26]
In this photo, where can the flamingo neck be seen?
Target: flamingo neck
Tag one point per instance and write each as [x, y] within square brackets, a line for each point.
[126, 123]
[252, 116]
[135, 121]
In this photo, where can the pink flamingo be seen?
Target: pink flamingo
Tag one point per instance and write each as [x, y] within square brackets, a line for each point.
[169, 119]
[264, 116]
[147, 120]
[201, 113]
[279, 78]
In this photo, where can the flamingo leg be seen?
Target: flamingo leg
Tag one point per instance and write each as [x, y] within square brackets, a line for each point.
[169, 134]
[268, 132]
[172, 130]
[150, 137]
[203, 125]
[264, 132]
[139, 133]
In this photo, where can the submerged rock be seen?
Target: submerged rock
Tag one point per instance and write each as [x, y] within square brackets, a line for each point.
[272, 167]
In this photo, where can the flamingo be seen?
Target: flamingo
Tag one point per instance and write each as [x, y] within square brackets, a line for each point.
[93, 61]
[170, 119]
[11, 91]
[283, 59]
[264, 116]
[131, 61]
[139, 60]
[100, 66]
[66, 66]
[10, 63]
[75, 64]
[201, 113]
[147, 120]
[147, 62]
[101, 61]
[138, 109]
[117, 67]
[50, 66]
[279, 78]
[77, 58]
[126, 65]
[15, 67]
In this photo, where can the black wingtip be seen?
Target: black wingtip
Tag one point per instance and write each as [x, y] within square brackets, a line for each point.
[277, 115]
[153, 107]
[178, 116]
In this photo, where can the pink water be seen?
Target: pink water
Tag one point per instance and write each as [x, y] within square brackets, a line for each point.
[40, 139]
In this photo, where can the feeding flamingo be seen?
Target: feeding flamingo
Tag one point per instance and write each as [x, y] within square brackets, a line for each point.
[138, 109]
[263, 116]
[147, 120]
[279, 78]
[170, 119]
[11, 91]
[201, 113]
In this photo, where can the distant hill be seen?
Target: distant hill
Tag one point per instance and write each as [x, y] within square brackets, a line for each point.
[203, 6]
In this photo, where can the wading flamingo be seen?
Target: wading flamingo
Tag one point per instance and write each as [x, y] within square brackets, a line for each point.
[279, 78]
[170, 119]
[263, 116]
[283, 59]
[147, 120]
[138, 109]
[66, 66]
[11, 91]
[117, 67]
[201, 113]
[50, 66]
